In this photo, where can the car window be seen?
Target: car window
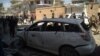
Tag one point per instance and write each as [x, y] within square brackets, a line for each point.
[36, 26]
[49, 26]
[72, 28]
[53, 26]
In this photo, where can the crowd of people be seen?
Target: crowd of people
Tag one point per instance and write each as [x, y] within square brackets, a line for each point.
[9, 24]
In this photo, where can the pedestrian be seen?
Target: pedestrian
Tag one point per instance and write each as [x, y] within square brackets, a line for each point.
[32, 18]
[2, 44]
[53, 15]
[66, 16]
[21, 19]
[85, 19]
[12, 25]
[45, 17]
[99, 18]
[83, 15]
[74, 15]
[61, 16]
[4, 25]
[93, 23]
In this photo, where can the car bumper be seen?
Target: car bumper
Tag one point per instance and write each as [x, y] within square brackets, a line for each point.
[86, 49]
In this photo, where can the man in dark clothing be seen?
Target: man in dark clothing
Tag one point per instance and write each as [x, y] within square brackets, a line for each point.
[1, 35]
[61, 16]
[4, 24]
[1, 48]
[12, 25]
[99, 18]
[32, 19]
[53, 15]
[93, 23]
[74, 15]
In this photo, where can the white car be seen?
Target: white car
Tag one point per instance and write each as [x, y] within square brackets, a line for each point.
[64, 37]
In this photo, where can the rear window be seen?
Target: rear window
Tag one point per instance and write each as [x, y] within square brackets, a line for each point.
[72, 28]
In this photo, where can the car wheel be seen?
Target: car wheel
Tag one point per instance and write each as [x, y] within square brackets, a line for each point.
[68, 51]
[18, 44]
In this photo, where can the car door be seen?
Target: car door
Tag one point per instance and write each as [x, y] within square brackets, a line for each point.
[72, 34]
[34, 35]
[52, 36]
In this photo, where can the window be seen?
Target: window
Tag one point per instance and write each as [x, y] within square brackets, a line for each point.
[36, 26]
[54, 26]
[72, 28]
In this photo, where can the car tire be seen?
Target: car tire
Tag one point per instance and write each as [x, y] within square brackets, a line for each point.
[18, 44]
[68, 51]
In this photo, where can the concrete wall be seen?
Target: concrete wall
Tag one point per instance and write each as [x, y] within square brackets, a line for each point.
[48, 12]
[92, 11]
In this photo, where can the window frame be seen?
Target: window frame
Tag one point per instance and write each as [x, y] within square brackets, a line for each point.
[72, 27]
[33, 26]
[54, 26]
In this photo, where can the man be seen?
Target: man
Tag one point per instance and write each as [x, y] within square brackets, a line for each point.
[1, 36]
[84, 18]
[32, 18]
[99, 18]
[12, 25]
[45, 17]
[74, 15]
[93, 23]
[61, 16]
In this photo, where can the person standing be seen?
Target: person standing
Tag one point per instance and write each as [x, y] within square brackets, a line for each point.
[61, 16]
[99, 18]
[1, 36]
[74, 15]
[66, 16]
[93, 23]
[4, 24]
[53, 15]
[12, 25]
[32, 18]
[45, 17]
[85, 19]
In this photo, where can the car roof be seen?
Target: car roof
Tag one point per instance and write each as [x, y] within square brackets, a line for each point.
[71, 21]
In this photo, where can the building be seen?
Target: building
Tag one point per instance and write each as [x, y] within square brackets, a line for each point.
[49, 12]
[92, 9]
[39, 8]
[77, 1]
[82, 1]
